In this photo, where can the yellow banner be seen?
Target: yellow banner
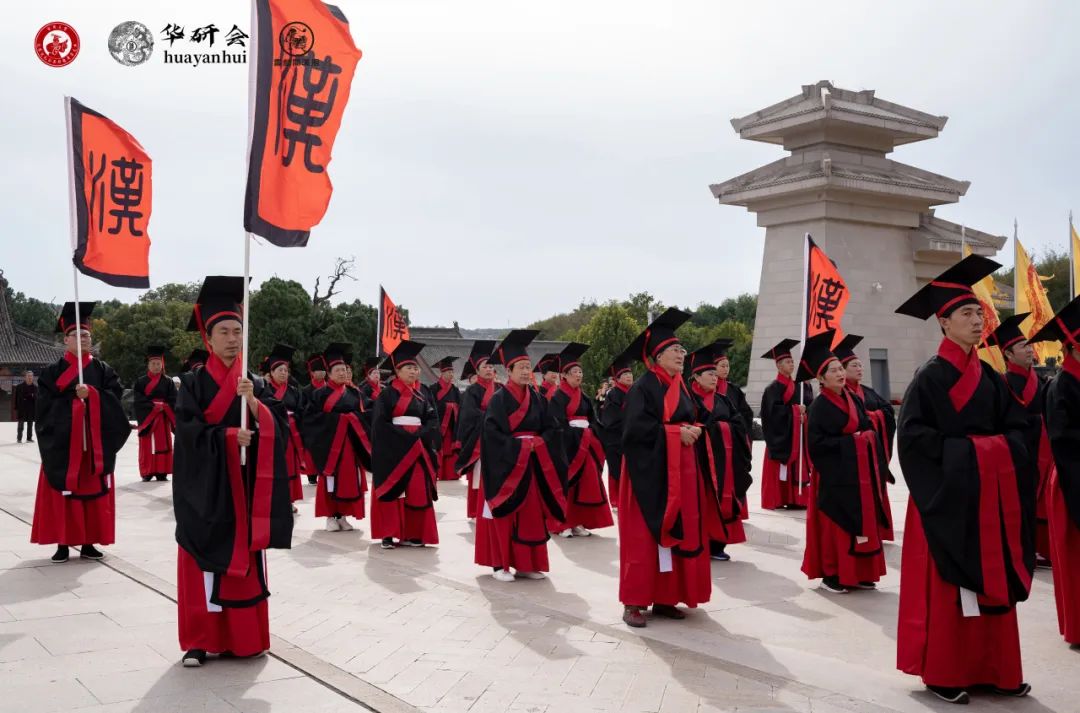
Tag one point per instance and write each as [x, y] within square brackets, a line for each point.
[1031, 297]
[984, 292]
[1075, 260]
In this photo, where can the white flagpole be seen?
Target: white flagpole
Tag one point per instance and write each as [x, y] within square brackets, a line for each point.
[74, 234]
[378, 321]
[253, 71]
[1016, 262]
[1072, 259]
[244, 342]
[802, 350]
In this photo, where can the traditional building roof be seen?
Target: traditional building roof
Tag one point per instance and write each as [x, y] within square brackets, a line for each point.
[20, 347]
[439, 342]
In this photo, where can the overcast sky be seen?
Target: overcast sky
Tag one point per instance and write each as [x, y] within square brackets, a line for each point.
[502, 161]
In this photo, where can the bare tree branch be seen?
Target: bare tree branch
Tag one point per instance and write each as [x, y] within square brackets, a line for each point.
[342, 269]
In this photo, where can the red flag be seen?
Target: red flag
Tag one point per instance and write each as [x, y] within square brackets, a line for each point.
[301, 75]
[826, 294]
[393, 328]
[109, 179]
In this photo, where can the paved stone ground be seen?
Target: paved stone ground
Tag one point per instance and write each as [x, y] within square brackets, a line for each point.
[358, 627]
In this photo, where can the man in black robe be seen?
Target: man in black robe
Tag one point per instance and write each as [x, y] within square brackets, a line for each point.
[447, 399]
[474, 403]
[969, 549]
[81, 427]
[316, 366]
[611, 416]
[154, 398]
[24, 402]
[230, 488]
[785, 474]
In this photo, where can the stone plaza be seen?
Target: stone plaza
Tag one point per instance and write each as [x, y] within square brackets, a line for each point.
[358, 628]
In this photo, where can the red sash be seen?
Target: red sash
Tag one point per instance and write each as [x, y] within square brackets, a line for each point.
[673, 442]
[531, 445]
[344, 488]
[85, 425]
[1031, 383]
[877, 419]
[161, 420]
[417, 453]
[867, 464]
[252, 522]
[999, 516]
[970, 367]
[71, 373]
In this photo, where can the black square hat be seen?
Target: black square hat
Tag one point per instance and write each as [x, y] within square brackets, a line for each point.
[620, 365]
[370, 363]
[155, 351]
[782, 350]
[513, 347]
[703, 359]
[1008, 332]
[546, 363]
[570, 356]
[659, 335]
[949, 290]
[481, 352]
[1062, 327]
[845, 350]
[316, 362]
[66, 321]
[816, 355]
[220, 298]
[721, 347]
[445, 364]
[404, 353]
[337, 353]
[280, 354]
[196, 359]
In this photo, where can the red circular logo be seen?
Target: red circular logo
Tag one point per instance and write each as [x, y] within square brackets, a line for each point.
[57, 44]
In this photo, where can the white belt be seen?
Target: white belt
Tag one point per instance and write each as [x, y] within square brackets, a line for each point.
[406, 421]
[579, 423]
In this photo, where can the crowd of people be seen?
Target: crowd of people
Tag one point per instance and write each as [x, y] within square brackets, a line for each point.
[992, 465]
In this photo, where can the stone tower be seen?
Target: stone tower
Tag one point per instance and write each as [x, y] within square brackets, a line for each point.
[871, 214]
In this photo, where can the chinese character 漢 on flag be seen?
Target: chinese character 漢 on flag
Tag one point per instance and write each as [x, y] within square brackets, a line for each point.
[300, 79]
[393, 327]
[827, 294]
[109, 178]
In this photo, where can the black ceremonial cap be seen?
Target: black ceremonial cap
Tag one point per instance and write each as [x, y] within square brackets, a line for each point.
[782, 350]
[845, 350]
[155, 351]
[620, 365]
[66, 322]
[816, 355]
[445, 364]
[546, 363]
[337, 353]
[280, 354]
[701, 360]
[722, 346]
[196, 359]
[481, 351]
[949, 290]
[404, 353]
[570, 356]
[370, 363]
[513, 347]
[316, 362]
[220, 298]
[1062, 327]
[1008, 332]
[658, 335]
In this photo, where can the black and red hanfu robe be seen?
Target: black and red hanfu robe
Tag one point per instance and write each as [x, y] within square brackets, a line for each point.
[405, 444]
[1030, 391]
[587, 502]
[785, 475]
[548, 388]
[612, 415]
[724, 453]
[228, 513]
[307, 463]
[848, 511]
[78, 440]
[369, 391]
[154, 398]
[883, 418]
[666, 514]
[335, 429]
[1063, 496]
[523, 479]
[447, 398]
[968, 549]
[738, 400]
[474, 405]
[289, 395]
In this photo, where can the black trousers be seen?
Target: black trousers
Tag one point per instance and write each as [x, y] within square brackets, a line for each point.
[29, 430]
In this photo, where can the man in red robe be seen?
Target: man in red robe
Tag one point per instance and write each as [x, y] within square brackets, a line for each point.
[1026, 386]
[785, 474]
[230, 488]
[969, 548]
[447, 398]
[1063, 493]
[80, 427]
[154, 396]
[666, 513]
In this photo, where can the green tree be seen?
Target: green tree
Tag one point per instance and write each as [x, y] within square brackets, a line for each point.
[123, 337]
[742, 308]
[640, 305]
[173, 291]
[281, 313]
[31, 313]
[353, 322]
[556, 326]
[607, 333]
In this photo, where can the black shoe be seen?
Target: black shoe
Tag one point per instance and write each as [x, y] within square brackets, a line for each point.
[146, 478]
[1019, 692]
[193, 658]
[61, 554]
[950, 695]
[832, 585]
[1043, 562]
[162, 477]
[89, 552]
[19, 440]
[721, 556]
[867, 585]
[313, 480]
[29, 440]
[387, 543]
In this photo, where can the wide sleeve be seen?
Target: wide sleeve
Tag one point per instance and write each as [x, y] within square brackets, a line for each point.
[644, 444]
[141, 403]
[776, 422]
[1062, 411]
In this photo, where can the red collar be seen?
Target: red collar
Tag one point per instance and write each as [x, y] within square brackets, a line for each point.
[516, 390]
[622, 387]
[970, 367]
